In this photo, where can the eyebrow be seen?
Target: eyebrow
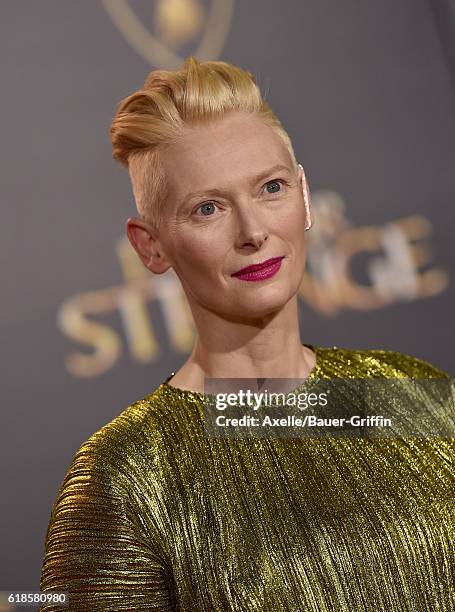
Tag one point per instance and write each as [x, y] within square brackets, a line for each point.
[219, 192]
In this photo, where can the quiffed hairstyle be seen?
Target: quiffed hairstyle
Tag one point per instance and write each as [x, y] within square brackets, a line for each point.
[155, 117]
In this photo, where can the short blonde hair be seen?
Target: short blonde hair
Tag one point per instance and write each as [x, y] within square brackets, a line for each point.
[155, 116]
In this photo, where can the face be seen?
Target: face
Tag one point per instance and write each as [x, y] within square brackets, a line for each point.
[235, 199]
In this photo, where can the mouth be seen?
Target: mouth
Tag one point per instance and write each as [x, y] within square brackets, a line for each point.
[261, 270]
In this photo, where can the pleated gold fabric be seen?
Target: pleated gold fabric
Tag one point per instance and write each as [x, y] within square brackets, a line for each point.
[152, 515]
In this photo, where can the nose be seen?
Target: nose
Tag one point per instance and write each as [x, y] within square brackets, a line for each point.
[251, 228]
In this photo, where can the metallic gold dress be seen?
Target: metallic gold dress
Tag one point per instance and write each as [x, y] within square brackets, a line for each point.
[153, 515]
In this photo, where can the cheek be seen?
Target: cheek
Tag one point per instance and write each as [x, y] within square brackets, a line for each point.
[196, 251]
[292, 227]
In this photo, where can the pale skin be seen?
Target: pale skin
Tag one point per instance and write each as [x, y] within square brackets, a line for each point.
[243, 329]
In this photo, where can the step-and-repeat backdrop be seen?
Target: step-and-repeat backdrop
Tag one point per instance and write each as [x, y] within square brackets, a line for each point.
[365, 91]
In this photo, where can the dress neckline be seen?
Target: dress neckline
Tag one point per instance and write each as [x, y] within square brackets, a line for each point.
[187, 393]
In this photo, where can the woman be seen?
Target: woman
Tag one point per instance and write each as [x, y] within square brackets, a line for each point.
[153, 514]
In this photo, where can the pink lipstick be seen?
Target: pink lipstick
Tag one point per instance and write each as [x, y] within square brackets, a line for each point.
[261, 271]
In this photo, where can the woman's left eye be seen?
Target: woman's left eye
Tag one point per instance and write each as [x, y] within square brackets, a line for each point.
[273, 183]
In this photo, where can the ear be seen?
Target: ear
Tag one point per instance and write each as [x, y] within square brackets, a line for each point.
[144, 240]
[306, 195]
[302, 178]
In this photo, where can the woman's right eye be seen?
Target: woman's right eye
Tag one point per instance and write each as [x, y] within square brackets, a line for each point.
[206, 207]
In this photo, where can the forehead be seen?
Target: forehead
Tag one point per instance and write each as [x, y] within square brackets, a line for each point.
[238, 145]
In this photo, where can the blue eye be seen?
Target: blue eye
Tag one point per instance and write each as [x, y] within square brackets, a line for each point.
[208, 208]
[205, 206]
[277, 182]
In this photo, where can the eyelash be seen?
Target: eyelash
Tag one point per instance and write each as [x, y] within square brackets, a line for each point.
[282, 181]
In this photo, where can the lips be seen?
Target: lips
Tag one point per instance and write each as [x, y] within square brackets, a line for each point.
[259, 266]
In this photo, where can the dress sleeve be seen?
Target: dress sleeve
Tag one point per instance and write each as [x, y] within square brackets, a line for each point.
[95, 548]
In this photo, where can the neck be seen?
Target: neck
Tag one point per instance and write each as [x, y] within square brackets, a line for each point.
[266, 348]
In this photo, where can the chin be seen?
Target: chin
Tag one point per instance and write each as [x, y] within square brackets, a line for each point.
[266, 300]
